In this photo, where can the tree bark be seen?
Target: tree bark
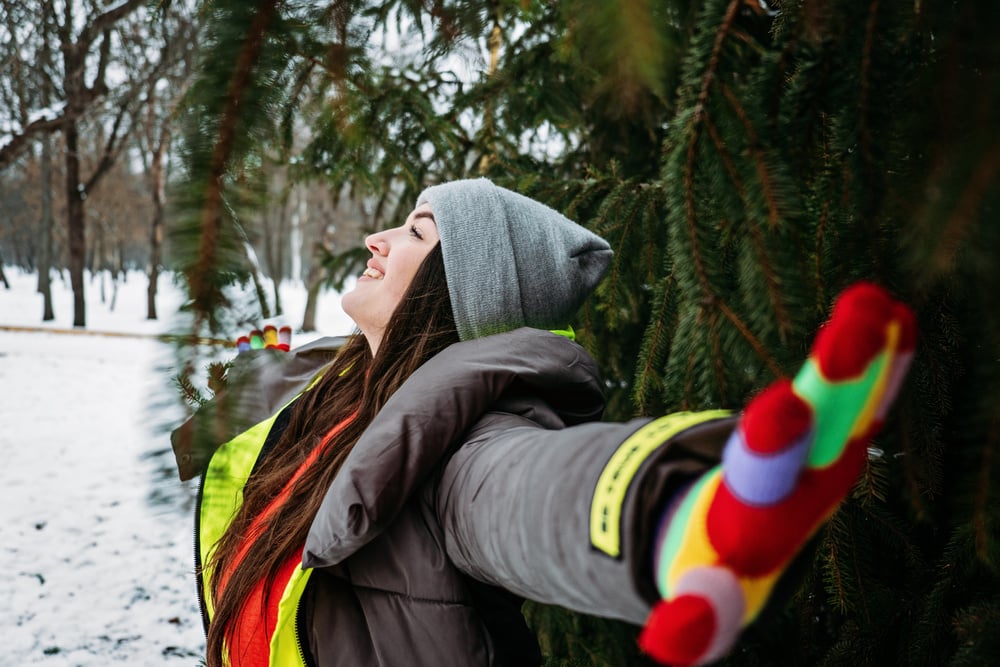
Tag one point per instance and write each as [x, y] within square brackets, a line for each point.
[275, 238]
[45, 233]
[313, 281]
[75, 225]
[158, 187]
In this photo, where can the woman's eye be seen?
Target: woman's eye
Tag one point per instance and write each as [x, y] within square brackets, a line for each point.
[416, 232]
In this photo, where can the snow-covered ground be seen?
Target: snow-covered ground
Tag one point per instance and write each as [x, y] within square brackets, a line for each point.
[96, 530]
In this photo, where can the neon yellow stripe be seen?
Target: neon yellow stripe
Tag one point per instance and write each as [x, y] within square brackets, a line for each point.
[566, 333]
[285, 649]
[222, 491]
[614, 481]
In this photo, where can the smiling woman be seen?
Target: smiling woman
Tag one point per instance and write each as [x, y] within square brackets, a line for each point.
[449, 461]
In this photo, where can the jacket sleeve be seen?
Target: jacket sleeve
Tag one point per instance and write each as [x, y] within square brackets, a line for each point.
[258, 384]
[566, 516]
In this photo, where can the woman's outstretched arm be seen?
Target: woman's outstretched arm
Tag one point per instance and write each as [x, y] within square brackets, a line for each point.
[563, 516]
[525, 508]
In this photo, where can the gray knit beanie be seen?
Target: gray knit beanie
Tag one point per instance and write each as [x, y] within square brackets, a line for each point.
[510, 260]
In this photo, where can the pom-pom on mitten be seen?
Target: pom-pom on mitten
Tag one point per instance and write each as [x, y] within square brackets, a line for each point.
[796, 452]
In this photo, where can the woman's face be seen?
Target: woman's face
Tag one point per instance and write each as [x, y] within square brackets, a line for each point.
[396, 255]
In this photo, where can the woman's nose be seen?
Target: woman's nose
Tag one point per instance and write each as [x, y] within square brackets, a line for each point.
[377, 243]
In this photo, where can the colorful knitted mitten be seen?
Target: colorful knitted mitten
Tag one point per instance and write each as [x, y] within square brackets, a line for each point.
[797, 451]
[272, 338]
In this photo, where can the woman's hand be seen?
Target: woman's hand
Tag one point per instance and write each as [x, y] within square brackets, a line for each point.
[797, 451]
[272, 338]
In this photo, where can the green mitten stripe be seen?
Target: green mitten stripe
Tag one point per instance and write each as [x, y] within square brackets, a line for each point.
[836, 406]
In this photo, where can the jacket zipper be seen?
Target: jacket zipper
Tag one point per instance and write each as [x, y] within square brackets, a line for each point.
[199, 577]
[306, 659]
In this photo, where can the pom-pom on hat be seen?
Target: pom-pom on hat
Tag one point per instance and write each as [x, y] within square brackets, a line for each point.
[510, 260]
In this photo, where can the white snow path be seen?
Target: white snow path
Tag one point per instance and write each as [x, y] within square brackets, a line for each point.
[95, 535]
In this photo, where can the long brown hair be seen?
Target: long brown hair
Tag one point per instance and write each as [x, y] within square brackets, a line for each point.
[356, 384]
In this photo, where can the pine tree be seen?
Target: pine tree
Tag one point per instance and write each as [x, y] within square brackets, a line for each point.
[746, 162]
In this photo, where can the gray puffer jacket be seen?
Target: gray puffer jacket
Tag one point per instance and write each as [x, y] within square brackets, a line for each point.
[488, 478]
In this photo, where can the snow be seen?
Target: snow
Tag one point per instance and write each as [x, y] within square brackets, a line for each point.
[96, 531]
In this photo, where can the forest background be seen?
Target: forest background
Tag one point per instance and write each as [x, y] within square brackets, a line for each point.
[746, 160]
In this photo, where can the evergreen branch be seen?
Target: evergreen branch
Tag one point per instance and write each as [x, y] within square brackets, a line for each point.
[211, 215]
[689, 209]
[877, 514]
[750, 338]
[771, 278]
[718, 358]
[713, 63]
[624, 231]
[865, 94]
[954, 566]
[697, 120]
[753, 142]
[982, 181]
[700, 111]
[820, 238]
[833, 569]
[656, 339]
[860, 594]
[653, 213]
[727, 161]
[868, 484]
[770, 275]
[912, 483]
[689, 369]
[980, 518]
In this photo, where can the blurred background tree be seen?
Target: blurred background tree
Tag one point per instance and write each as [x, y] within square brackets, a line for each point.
[747, 160]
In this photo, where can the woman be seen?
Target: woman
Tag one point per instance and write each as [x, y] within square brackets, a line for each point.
[449, 462]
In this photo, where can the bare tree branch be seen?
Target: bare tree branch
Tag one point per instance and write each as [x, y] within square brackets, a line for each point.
[106, 20]
[112, 148]
[77, 94]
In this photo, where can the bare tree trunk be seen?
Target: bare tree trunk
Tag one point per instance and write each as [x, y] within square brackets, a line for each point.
[156, 229]
[274, 223]
[315, 210]
[97, 262]
[45, 174]
[313, 281]
[3, 276]
[75, 224]
[276, 236]
[45, 234]
[120, 273]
